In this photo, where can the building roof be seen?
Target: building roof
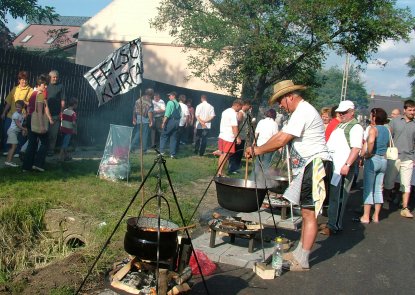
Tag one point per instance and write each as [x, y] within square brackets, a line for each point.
[388, 103]
[35, 35]
[70, 21]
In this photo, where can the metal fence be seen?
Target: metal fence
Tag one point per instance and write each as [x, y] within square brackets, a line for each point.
[93, 122]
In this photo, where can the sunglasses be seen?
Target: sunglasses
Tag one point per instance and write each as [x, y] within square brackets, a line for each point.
[343, 113]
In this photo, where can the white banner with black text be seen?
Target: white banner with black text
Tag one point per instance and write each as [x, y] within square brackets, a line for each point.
[120, 72]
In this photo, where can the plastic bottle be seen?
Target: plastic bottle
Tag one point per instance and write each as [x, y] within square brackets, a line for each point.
[277, 256]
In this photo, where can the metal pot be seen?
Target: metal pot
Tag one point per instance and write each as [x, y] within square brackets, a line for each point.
[277, 184]
[141, 238]
[239, 195]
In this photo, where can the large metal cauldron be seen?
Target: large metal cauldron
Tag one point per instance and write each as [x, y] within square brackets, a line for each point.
[277, 184]
[141, 238]
[238, 195]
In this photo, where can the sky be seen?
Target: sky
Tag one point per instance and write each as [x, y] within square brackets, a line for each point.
[390, 79]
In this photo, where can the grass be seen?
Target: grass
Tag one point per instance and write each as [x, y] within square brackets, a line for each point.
[25, 197]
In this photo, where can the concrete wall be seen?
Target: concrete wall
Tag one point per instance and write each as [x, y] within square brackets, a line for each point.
[124, 20]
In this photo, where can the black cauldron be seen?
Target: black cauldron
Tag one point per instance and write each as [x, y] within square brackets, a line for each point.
[239, 195]
[141, 238]
[277, 184]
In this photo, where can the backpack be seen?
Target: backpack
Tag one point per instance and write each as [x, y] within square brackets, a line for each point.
[177, 112]
[142, 107]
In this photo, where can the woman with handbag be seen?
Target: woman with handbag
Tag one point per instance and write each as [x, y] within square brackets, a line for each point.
[375, 165]
[38, 120]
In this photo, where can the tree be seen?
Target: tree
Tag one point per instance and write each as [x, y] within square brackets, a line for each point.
[28, 9]
[6, 37]
[411, 73]
[330, 81]
[258, 42]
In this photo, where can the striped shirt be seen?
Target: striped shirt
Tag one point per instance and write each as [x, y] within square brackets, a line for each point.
[68, 123]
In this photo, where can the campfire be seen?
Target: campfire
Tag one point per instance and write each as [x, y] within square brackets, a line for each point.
[138, 277]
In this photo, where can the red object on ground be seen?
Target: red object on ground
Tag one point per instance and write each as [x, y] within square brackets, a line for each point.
[207, 266]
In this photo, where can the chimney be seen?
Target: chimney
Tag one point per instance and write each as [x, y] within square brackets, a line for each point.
[372, 94]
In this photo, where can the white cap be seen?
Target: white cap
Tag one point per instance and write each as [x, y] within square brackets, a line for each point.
[345, 105]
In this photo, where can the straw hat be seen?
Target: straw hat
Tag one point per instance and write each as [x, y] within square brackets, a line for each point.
[282, 88]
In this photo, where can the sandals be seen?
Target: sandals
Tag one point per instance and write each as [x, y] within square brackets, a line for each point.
[359, 220]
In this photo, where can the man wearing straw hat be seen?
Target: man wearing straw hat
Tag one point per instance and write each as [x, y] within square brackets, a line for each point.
[310, 162]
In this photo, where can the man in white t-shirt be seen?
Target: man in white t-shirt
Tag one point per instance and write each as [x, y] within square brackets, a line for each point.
[159, 107]
[344, 145]
[184, 119]
[308, 153]
[204, 115]
[228, 134]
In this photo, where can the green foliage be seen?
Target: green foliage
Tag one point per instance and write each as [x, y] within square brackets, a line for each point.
[411, 73]
[259, 42]
[27, 9]
[328, 93]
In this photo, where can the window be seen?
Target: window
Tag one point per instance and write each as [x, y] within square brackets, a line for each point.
[27, 38]
[50, 40]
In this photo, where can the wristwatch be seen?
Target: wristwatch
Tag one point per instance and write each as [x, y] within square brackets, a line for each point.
[347, 164]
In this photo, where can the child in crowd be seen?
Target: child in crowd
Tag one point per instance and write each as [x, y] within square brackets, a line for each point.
[68, 127]
[15, 129]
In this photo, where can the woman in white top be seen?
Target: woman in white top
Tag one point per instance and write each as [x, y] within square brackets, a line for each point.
[265, 129]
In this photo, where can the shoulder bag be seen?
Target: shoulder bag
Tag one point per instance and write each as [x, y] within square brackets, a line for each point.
[392, 150]
[36, 121]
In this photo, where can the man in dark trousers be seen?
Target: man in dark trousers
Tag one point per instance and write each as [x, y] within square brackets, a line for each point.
[170, 125]
[56, 101]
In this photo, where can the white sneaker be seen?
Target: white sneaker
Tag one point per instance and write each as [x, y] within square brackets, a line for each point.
[16, 156]
[11, 164]
[5, 153]
[38, 169]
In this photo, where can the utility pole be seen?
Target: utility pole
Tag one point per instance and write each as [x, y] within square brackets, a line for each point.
[345, 77]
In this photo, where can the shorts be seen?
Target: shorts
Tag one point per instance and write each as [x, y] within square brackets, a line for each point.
[395, 168]
[12, 136]
[306, 194]
[226, 146]
[66, 140]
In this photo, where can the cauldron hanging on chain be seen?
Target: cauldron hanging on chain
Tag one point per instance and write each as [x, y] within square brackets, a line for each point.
[141, 237]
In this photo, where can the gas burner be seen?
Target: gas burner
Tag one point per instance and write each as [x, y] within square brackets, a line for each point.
[234, 227]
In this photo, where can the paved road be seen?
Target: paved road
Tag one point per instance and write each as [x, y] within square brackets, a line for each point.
[363, 259]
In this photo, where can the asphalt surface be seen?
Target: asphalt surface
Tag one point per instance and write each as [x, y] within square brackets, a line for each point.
[362, 259]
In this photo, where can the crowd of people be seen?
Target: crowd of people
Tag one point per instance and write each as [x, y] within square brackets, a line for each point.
[33, 118]
[168, 125]
[326, 150]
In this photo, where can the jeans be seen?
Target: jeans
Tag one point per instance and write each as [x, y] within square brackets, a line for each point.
[33, 155]
[6, 124]
[169, 133]
[201, 141]
[180, 137]
[338, 197]
[136, 138]
[373, 174]
[235, 160]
